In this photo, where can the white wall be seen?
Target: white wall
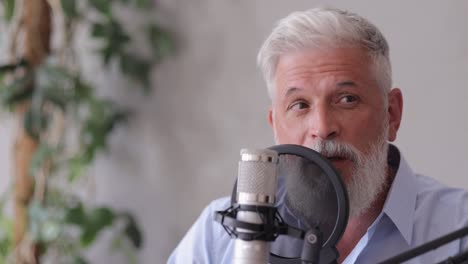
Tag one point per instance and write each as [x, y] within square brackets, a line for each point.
[181, 149]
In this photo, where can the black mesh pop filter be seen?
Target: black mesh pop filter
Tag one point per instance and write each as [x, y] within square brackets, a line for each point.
[330, 201]
[308, 175]
[313, 191]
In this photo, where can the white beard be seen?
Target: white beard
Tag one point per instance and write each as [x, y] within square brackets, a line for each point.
[369, 179]
[366, 182]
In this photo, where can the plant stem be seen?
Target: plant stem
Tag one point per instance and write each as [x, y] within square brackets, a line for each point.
[36, 23]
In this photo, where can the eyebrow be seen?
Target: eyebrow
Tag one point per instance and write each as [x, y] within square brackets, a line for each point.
[342, 84]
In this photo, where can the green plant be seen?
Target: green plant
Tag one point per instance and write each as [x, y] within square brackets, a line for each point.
[67, 125]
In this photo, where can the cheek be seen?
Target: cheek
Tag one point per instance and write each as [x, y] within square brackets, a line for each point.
[365, 131]
[289, 131]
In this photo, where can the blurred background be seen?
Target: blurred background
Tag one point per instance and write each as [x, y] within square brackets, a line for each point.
[179, 145]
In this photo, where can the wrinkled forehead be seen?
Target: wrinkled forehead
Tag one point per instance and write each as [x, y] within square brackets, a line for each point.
[342, 65]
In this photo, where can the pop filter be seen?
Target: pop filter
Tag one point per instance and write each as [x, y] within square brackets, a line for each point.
[313, 192]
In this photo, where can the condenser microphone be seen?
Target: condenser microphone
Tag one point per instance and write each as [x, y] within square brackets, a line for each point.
[256, 189]
[254, 222]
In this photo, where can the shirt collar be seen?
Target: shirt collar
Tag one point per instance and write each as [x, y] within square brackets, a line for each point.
[401, 199]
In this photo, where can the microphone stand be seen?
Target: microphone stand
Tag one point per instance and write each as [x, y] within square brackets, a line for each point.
[457, 259]
[431, 245]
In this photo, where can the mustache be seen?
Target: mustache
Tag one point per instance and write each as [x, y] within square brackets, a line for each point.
[330, 148]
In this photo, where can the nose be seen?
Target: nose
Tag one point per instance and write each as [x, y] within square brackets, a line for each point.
[323, 124]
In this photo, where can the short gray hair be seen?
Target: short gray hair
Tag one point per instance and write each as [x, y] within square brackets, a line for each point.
[325, 28]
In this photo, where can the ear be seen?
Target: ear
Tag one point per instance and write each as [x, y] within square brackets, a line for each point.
[270, 116]
[395, 111]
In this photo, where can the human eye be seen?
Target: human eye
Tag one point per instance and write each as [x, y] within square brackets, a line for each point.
[348, 99]
[298, 105]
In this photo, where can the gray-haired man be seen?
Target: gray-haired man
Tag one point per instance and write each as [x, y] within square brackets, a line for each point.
[328, 75]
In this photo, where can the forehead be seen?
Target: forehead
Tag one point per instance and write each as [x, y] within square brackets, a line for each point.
[310, 66]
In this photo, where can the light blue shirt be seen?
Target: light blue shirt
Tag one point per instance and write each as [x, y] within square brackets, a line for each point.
[417, 210]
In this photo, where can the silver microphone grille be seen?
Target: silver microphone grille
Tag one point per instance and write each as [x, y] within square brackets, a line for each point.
[256, 182]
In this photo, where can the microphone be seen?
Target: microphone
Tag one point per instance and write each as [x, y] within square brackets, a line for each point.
[256, 189]
[253, 220]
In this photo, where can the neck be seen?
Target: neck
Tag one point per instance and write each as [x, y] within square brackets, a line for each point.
[357, 226]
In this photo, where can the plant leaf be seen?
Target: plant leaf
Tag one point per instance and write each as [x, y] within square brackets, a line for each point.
[58, 86]
[161, 42]
[18, 91]
[69, 8]
[103, 117]
[9, 9]
[37, 215]
[82, 92]
[76, 167]
[6, 231]
[42, 154]
[103, 6]
[79, 260]
[76, 215]
[57, 97]
[145, 4]
[132, 231]
[136, 68]
[99, 30]
[35, 121]
[97, 220]
[50, 230]
[114, 37]
[87, 237]
[101, 217]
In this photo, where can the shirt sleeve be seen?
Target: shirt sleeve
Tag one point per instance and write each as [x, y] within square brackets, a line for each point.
[202, 242]
[463, 215]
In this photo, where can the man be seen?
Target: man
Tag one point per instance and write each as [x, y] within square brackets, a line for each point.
[328, 74]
